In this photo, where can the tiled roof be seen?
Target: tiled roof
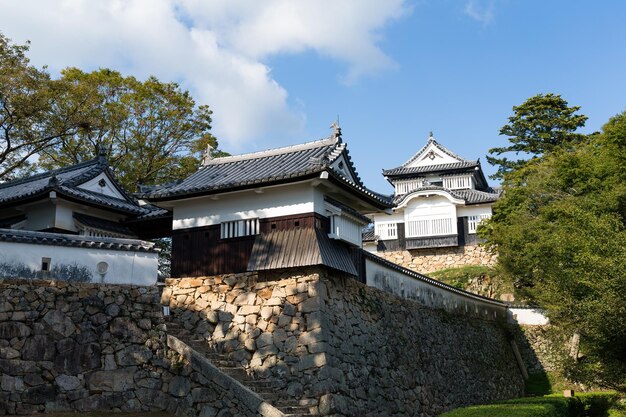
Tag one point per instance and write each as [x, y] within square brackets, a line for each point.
[57, 239]
[369, 235]
[278, 165]
[37, 184]
[66, 181]
[299, 247]
[431, 168]
[477, 197]
[102, 224]
[468, 196]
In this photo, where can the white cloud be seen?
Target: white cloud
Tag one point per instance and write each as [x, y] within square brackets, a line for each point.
[217, 48]
[483, 13]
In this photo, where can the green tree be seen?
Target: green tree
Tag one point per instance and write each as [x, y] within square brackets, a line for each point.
[153, 132]
[30, 118]
[561, 236]
[540, 125]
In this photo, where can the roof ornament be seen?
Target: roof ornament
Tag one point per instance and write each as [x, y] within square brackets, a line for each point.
[336, 129]
[207, 155]
[54, 180]
[101, 153]
[430, 136]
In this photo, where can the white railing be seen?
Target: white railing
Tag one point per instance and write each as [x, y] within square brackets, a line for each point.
[386, 231]
[239, 228]
[344, 228]
[457, 183]
[431, 227]
[403, 187]
[474, 221]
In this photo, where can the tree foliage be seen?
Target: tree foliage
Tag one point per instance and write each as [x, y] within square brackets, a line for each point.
[540, 125]
[153, 132]
[560, 234]
[31, 119]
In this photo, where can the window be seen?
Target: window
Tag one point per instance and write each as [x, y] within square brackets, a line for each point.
[387, 231]
[239, 228]
[474, 221]
[458, 182]
[45, 264]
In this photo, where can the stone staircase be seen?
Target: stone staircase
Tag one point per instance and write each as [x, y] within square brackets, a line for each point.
[267, 390]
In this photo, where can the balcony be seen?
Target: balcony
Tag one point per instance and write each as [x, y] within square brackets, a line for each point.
[431, 227]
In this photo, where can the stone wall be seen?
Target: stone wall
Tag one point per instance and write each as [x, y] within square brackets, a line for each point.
[543, 348]
[346, 348]
[434, 259]
[270, 324]
[83, 347]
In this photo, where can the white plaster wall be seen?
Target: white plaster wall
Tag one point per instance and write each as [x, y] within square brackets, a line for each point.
[474, 210]
[431, 295]
[528, 316]
[396, 217]
[108, 189]
[40, 216]
[65, 214]
[125, 267]
[428, 208]
[272, 202]
[441, 158]
[370, 247]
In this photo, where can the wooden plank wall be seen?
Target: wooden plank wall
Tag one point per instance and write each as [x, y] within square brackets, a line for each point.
[200, 251]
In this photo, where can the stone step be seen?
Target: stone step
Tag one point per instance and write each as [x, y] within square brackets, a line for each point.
[266, 389]
[294, 410]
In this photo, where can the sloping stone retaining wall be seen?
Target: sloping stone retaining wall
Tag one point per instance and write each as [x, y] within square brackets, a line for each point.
[435, 259]
[84, 347]
[346, 348]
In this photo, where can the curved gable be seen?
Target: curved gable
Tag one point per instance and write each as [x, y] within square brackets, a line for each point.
[406, 199]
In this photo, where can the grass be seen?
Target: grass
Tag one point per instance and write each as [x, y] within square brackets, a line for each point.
[462, 278]
[594, 404]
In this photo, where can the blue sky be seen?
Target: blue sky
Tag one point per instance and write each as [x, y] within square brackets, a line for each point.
[279, 72]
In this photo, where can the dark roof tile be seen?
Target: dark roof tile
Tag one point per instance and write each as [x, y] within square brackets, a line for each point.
[431, 168]
[469, 196]
[266, 167]
[58, 239]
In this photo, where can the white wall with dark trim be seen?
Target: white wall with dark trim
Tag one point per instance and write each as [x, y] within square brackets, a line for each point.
[122, 266]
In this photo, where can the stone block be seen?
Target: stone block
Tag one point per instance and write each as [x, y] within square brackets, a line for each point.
[11, 329]
[309, 305]
[17, 367]
[264, 339]
[179, 386]
[153, 398]
[246, 298]
[118, 380]
[77, 359]
[11, 384]
[316, 360]
[133, 355]
[59, 322]
[38, 348]
[126, 329]
[39, 394]
[67, 382]
[249, 309]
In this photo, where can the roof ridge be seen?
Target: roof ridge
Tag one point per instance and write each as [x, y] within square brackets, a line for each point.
[273, 151]
[439, 146]
[51, 172]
